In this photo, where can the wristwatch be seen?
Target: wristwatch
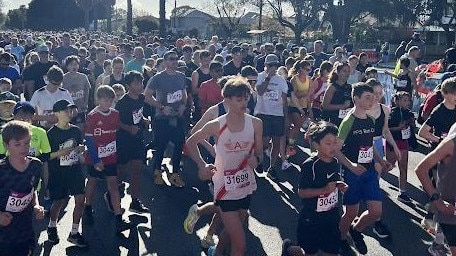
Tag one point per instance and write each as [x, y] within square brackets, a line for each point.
[433, 197]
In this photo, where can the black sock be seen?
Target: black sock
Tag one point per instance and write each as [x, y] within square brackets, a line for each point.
[88, 207]
[119, 218]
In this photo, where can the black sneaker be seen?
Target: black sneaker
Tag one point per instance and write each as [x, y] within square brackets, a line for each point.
[53, 237]
[358, 240]
[107, 199]
[272, 174]
[77, 239]
[345, 248]
[404, 198]
[137, 207]
[286, 243]
[123, 225]
[88, 216]
[381, 230]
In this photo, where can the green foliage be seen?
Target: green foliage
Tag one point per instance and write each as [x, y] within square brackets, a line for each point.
[54, 15]
[146, 24]
[17, 18]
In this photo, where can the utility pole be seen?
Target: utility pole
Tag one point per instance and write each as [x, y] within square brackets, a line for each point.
[162, 26]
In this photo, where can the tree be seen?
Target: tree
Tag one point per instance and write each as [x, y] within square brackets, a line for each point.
[230, 13]
[17, 18]
[162, 13]
[146, 24]
[54, 15]
[86, 6]
[440, 13]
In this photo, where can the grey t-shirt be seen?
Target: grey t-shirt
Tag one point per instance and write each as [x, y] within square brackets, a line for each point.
[169, 90]
[78, 85]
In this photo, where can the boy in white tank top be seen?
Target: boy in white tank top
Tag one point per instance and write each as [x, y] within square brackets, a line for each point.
[239, 150]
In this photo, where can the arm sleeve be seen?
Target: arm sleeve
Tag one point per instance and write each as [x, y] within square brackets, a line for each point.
[92, 149]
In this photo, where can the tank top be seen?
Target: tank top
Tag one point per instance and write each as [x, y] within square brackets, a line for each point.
[342, 94]
[234, 179]
[113, 81]
[403, 83]
[446, 185]
[319, 93]
[300, 86]
[202, 77]
[379, 123]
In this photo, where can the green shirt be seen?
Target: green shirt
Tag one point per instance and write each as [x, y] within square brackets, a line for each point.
[39, 143]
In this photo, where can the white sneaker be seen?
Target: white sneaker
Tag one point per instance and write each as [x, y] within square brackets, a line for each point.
[191, 219]
[207, 241]
[438, 250]
[428, 225]
[285, 165]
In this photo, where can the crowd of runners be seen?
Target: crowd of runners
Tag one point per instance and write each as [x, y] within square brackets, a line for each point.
[79, 109]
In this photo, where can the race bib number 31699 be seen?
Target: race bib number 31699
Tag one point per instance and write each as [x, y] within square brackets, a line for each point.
[236, 179]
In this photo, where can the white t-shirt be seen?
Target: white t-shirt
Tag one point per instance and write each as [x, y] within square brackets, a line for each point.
[452, 130]
[271, 103]
[43, 101]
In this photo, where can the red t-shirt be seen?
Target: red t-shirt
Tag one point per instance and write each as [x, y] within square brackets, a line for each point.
[103, 127]
[430, 103]
[209, 94]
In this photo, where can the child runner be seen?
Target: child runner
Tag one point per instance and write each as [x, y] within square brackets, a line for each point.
[65, 174]
[209, 93]
[19, 177]
[7, 102]
[102, 124]
[319, 185]
[5, 84]
[238, 150]
[401, 124]
[317, 90]
[356, 133]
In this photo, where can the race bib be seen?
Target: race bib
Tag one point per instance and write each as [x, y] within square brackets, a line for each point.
[107, 150]
[77, 95]
[401, 83]
[365, 155]
[272, 95]
[174, 97]
[137, 116]
[328, 201]
[343, 113]
[236, 179]
[405, 133]
[70, 159]
[17, 202]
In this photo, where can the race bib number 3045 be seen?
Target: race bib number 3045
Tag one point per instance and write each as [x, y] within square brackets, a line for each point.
[327, 202]
[236, 179]
[17, 202]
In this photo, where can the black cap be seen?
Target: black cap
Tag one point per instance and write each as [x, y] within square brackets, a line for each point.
[8, 97]
[62, 105]
[24, 106]
[236, 49]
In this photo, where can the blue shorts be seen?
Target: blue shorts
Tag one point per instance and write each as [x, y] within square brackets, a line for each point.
[379, 146]
[364, 187]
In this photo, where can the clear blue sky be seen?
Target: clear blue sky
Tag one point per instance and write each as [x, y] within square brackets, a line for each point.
[150, 6]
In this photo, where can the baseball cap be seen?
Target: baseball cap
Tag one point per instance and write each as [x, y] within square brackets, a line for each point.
[42, 48]
[181, 64]
[271, 59]
[62, 105]
[235, 50]
[24, 106]
[8, 97]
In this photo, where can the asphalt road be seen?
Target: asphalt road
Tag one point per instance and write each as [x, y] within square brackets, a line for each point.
[274, 212]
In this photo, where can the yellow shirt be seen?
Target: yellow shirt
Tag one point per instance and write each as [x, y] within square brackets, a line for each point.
[302, 87]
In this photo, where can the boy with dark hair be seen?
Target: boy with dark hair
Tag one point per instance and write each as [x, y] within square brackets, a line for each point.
[7, 102]
[210, 92]
[102, 124]
[65, 174]
[357, 155]
[19, 177]
[130, 145]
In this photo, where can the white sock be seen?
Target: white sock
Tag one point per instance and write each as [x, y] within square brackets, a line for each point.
[74, 228]
[439, 238]
[52, 224]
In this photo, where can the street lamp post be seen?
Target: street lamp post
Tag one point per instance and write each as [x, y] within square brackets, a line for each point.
[162, 12]
[340, 8]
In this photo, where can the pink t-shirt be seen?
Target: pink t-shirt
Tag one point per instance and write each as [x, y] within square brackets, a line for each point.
[209, 94]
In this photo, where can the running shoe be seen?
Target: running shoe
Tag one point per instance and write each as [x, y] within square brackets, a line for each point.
[107, 199]
[404, 198]
[53, 236]
[286, 243]
[88, 216]
[285, 165]
[158, 179]
[381, 230]
[346, 249]
[272, 174]
[122, 225]
[207, 241]
[291, 151]
[438, 250]
[191, 219]
[138, 207]
[211, 251]
[77, 239]
[358, 240]
[428, 225]
[176, 180]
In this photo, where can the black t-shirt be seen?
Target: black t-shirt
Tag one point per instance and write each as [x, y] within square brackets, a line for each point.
[16, 194]
[248, 60]
[342, 94]
[36, 72]
[191, 66]
[316, 173]
[404, 83]
[131, 113]
[397, 116]
[231, 70]
[441, 120]
[61, 139]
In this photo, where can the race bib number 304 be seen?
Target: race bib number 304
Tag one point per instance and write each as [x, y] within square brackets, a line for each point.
[236, 179]
[70, 159]
[107, 150]
[365, 155]
[327, 202]
[17, 202]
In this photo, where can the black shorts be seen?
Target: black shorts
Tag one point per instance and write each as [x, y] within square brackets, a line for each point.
[17, 249]
[319, 234]
[233, 205]
[316, 113]
[292, 110]
[130, 148]
[65, 182]
[79, 118]
[273, 126]
[109, 170]
[449, 230]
